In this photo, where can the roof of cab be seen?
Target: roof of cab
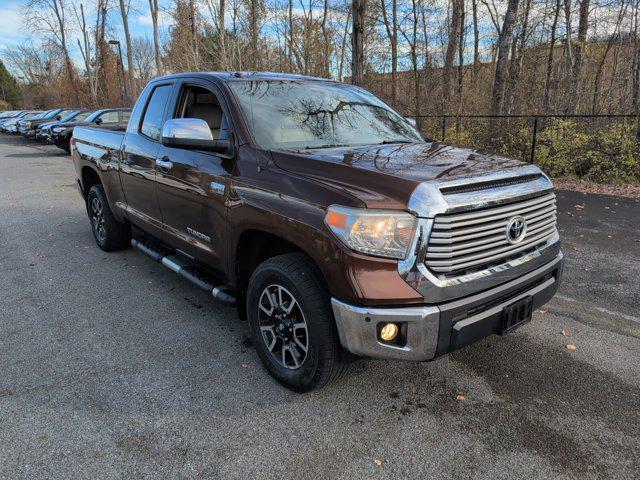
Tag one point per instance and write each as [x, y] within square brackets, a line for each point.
[243, 76]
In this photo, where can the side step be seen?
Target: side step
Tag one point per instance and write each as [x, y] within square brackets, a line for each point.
[193, 273]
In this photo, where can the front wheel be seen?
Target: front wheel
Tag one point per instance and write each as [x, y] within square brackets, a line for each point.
[292, 323]
[110, 235]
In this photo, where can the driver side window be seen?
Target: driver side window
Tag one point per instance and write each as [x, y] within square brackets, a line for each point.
[199, 102]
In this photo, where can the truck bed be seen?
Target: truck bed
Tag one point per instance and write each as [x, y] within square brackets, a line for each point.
[96, 141]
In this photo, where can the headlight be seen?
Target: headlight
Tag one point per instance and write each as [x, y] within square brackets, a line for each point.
[59, 129]
[384, 233]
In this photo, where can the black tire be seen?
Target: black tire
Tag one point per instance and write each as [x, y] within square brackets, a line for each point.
[109, 234]
[323, 361]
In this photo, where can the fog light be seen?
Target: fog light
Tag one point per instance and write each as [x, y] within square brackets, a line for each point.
[389, 332]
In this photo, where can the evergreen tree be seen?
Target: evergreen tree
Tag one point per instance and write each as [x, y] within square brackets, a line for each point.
[9, 89]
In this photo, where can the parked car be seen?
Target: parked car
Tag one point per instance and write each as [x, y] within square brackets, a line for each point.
[108, 119]
[9, 113]
[28, 128]
[11, 124]
[324, 216]
[43, 131]
[11, 116]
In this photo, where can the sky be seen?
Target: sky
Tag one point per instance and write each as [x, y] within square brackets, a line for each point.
[13, 32]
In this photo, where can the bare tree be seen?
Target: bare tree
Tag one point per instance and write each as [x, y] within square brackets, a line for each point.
[153, 8]
[455, 27]
[550, 55]
[504, 41]
[358, 11]
[50, 18]
[391, 26]
[124, 13]
[583, 25]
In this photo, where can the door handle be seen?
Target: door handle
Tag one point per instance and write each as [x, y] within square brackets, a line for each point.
[165, 165]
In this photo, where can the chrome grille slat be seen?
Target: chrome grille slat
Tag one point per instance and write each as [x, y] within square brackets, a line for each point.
[471, 240]
[455, 240]
[455, 246]
[488, 259]
[546, 207]
[498, 242]
[519, 206]
[530, 217]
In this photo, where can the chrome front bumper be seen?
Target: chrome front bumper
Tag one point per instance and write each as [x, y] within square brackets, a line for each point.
[433, 330]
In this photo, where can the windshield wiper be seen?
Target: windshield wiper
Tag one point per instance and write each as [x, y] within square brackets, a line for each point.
[387, 142]
[333, 145]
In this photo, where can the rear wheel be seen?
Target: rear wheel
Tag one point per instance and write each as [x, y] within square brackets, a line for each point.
[109, 234]
[292, 323]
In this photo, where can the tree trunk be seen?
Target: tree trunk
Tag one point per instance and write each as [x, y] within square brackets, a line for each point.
[326, 67]
[583, 25]
[343, 46]
[552, 44]
[504, 41]
[153, 7]
[291, 35]
[254, 33]
[461, 43]
[517, 57]
[358, 8]
[58, 10]
[452, 45]
[476, 39]
[124, 12]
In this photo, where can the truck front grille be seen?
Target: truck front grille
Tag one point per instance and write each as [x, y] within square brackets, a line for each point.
[470, 241]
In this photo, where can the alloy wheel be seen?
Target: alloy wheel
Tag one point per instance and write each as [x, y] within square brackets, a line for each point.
[283, 326]
[97, 219]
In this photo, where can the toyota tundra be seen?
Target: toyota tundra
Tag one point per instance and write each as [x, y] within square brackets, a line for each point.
[334, 227]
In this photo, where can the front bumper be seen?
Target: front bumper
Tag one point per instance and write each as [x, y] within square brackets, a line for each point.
[428, 331]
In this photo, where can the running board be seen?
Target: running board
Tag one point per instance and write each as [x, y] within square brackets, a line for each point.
[191, 272]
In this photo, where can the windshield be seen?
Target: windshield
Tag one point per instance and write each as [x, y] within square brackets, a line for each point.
[50, 114]
[70, 116]
[94, 115]
[81, 116]
[307, 114]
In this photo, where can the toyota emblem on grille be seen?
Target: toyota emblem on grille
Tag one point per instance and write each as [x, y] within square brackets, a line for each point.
[516, 228]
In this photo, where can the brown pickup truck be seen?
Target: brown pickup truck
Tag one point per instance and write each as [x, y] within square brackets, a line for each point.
[324, 216]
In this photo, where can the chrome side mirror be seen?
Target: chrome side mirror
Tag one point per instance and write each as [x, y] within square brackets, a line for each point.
[193, 134]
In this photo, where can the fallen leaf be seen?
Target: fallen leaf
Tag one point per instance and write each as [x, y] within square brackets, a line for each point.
[609, 236]
[571, 346]
[460, 398]
[378, 462]
[543, 310]
[244, 365]
[565, 332]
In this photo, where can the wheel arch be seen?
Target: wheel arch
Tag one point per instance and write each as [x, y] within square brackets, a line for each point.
[254, 246]
[89, 177]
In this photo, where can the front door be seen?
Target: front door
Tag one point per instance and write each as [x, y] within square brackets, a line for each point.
[192, 185]
[138, 162]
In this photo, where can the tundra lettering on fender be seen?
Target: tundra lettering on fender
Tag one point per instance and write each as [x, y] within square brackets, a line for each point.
[335, 229]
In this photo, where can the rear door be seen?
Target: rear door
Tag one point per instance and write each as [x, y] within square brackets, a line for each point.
[138, 157]
[192, 185]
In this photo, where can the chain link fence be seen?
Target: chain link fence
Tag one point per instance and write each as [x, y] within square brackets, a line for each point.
[600, 148]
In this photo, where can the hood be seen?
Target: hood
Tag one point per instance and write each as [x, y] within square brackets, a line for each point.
[387, 175]
[39, 121]
[72, 123]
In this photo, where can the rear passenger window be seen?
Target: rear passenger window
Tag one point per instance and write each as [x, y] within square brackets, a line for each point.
[124, 116]
[152, 122]
[109, 117]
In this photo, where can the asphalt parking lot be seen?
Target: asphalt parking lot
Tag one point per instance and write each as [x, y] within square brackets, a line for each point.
[111, 366]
